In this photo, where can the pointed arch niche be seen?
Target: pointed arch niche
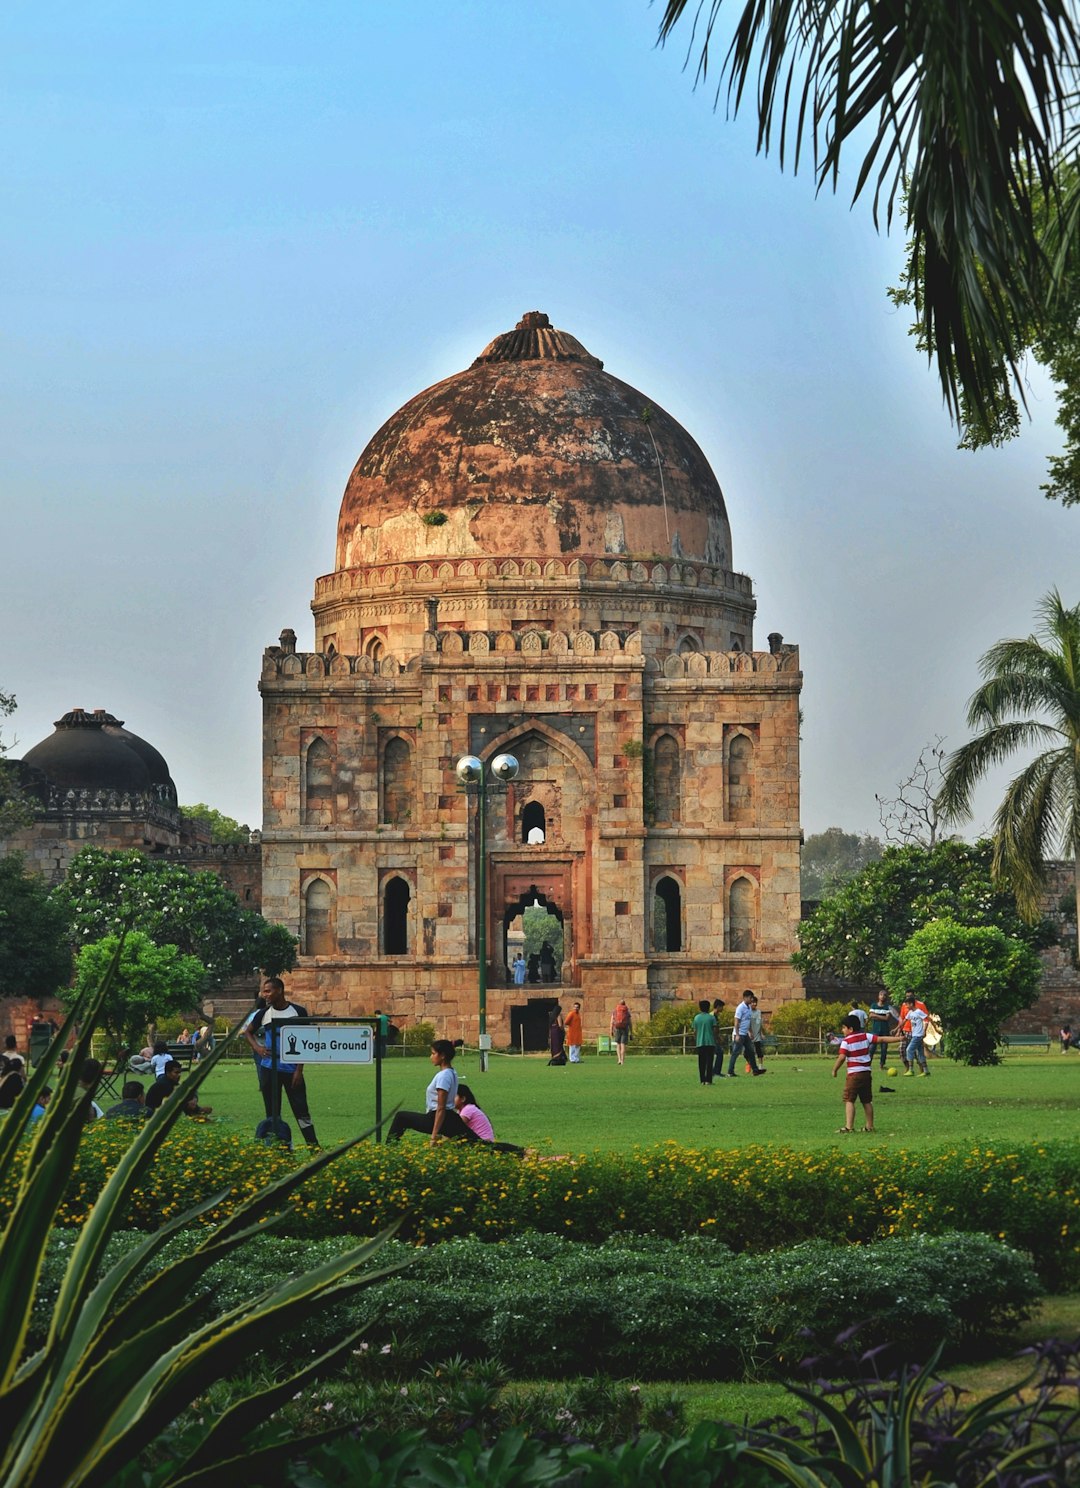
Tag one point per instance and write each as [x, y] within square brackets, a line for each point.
[318, 780]
[667, 917]
[396, 782]
[318, 927]
[740, 793]
[667, 779]
[396, 918]
[742, 914]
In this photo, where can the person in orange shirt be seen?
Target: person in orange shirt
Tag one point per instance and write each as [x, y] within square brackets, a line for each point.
[573, 1033]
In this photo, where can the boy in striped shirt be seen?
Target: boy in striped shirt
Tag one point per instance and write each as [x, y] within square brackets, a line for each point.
[857, 1051]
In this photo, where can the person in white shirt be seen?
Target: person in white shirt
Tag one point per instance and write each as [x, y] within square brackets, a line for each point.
[916, 1053]
[742, 1041]
[439, 1118]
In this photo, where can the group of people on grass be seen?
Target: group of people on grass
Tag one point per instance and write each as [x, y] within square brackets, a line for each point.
[747, 1041]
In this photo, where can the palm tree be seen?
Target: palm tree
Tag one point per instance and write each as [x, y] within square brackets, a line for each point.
[964, 114]
[1030, 697]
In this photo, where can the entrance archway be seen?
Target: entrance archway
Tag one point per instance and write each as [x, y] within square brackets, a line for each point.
[534, 927]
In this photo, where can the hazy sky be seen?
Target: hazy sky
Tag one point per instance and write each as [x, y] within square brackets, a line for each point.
[238, 236]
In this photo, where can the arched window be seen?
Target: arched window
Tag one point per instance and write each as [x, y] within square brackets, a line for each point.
[397, 782]
[666, 779]
[319, 780]
[740, 772]
[533, 823]
[741, 916]
[688, 645]
[667, 915]
[396, 917]
[374, 648]
[318, 938]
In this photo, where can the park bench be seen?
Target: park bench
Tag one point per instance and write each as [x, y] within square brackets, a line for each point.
[182, 1053]
[1027, 1041]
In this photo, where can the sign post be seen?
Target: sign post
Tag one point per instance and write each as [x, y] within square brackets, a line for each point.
[329, 1041]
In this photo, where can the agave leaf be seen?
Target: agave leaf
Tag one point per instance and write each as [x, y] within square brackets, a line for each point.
[94, 1236]
[850, 1445]
[787, 1471]
[22, 1247]
[14, 1126]
[97, 1314]
[127, 1399]
[242, 1467]
[245, 1415]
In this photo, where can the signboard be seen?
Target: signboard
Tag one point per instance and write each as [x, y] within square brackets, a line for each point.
[326, 1043]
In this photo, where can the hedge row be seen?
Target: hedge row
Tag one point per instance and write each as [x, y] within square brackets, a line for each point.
[759, 1198]
[543, 1306]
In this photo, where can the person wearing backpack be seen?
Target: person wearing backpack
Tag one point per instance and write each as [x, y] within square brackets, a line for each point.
[620, 1029]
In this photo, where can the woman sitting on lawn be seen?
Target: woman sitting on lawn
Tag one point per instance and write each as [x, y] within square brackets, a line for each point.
[438, 1119]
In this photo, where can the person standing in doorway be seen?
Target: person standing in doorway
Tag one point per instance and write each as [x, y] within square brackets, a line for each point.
[621, 1026]
[742, 1043]
[705, 1041]
[519, 970]
[288, 1077]
[573, 1033]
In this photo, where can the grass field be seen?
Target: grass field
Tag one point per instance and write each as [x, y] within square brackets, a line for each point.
[597, 1105]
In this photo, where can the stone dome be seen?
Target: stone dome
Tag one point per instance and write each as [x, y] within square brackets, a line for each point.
[94, 751]
[533, 450]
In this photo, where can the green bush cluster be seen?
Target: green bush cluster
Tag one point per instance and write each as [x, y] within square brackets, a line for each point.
[546, 1307]
[799, 1025]
[756, 1198]
[663, 1034]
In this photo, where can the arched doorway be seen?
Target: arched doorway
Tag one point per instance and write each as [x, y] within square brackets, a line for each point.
[533, 926]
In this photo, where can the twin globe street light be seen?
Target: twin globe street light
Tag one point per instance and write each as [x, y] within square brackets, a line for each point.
[472, 774]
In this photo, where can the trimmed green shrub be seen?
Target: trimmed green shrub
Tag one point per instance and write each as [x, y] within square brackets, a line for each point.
[547, 1307]
[800, 1026]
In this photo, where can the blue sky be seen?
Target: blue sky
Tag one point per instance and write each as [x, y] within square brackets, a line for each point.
[238, 236]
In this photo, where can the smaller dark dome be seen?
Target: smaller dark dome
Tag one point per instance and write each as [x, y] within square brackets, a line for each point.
[152, 758]
[89, 751]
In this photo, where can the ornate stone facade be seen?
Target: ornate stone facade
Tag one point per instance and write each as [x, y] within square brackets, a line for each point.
[532, 558]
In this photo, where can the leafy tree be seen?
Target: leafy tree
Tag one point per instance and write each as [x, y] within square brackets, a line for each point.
[222, 828]
[35, 954]
[852, 931]
[195, 912]
[151, 982]
[539, 926]
[1030, 696]
[831, 857]
[15, 808]
[961, 114]
[974, 976]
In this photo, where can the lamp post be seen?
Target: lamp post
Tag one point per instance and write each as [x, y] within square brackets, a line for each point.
[472, 773]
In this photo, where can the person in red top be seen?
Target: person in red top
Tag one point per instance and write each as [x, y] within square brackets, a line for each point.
[857, 1051]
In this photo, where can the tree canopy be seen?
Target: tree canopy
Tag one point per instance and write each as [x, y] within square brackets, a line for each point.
[831, 857]
[152, 982]
[1030, 697]
[959, 116]
[852, 931]
[223, 829]
[195, 912]
[974, 976]
[35, 950]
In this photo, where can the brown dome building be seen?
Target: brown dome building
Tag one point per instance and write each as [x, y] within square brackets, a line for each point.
[532, 556]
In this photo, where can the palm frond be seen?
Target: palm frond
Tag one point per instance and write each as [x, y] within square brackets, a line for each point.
[967, 104]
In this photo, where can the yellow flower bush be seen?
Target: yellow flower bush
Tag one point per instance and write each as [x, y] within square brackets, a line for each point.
[757, 1198]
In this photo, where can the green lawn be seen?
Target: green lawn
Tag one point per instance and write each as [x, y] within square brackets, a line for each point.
[1030, 1097]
